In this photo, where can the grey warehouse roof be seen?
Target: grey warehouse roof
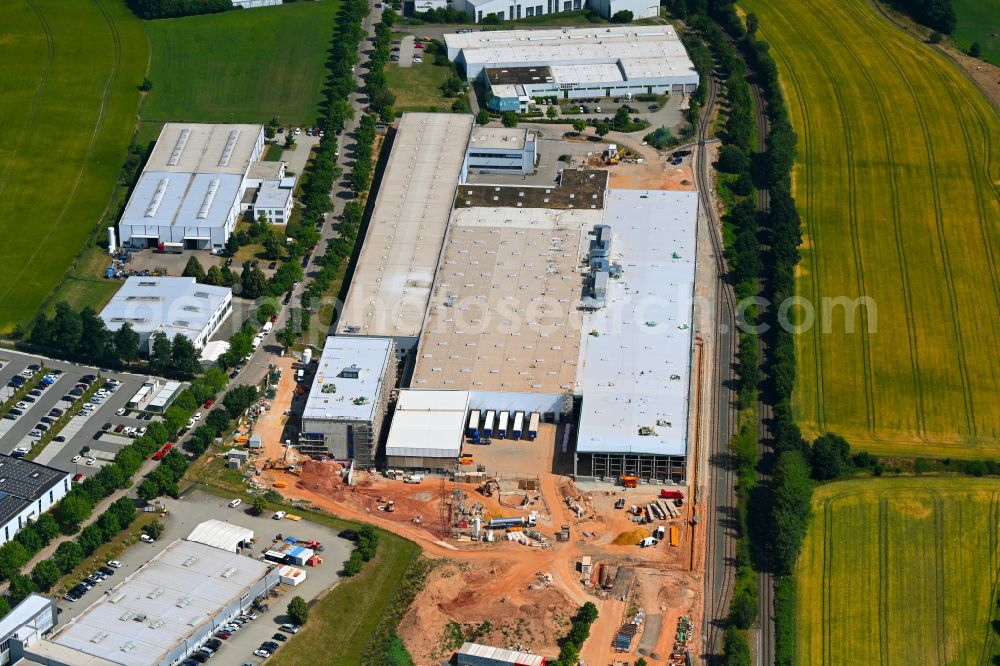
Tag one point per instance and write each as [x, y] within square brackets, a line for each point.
[392, 281]
[22, 483]
[178, 591]
[635, 372]
[505, 138]
[195, 200]
[348, 379]
[428, 424]
[174, 305]
[205, 148]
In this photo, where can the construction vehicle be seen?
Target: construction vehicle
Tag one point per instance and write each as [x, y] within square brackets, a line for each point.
[466, 459]
[390, 506]
[486, 490]
[620, 503]
[280, 484]
[630, 481]
[671, 494]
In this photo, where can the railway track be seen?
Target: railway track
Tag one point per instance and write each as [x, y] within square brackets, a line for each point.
[720, 542]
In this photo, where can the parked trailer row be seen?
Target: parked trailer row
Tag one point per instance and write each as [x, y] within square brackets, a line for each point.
[501, 425]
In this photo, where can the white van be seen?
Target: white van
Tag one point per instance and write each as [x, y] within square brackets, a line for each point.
[235, 503]
[648, 541]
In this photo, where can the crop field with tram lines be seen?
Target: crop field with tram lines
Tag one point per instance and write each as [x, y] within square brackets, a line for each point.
[900, 571]
[68, 100]
[898, 185]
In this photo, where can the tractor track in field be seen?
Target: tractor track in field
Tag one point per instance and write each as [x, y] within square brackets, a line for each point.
[49, 57]
[940, 584]
[939, 219]
[890, 152]
[883, 583]
[995, 567]
[98, 124]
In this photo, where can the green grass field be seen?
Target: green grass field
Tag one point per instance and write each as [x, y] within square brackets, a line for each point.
[418, 88]
[979, 21]
[900, 571]
[898, 190]
[68, 100]
[241, 66]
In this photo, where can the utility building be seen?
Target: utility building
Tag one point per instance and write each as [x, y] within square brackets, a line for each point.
[27, 490]
[349, 398]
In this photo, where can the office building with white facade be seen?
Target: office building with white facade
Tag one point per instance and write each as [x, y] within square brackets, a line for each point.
[171, 305]
[518, 65]
[27, 490]
[516, 9]
[501, 150]
[349, 398]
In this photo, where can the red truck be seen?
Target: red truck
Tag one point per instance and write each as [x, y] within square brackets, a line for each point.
[671, 494]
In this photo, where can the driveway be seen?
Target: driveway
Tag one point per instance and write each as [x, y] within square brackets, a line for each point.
[405, 52]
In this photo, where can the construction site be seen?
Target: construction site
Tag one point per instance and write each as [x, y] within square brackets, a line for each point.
[593, 501]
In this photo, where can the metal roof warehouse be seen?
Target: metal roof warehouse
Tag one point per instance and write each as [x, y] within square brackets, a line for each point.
[166, 609]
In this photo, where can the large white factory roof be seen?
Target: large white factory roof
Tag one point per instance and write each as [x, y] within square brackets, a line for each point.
[348, 379]
[205, 148]
[163, 198]
[635, 367]
[429, 424]
[392, 281]
[659, 45]
[174, 305]
[178, 591]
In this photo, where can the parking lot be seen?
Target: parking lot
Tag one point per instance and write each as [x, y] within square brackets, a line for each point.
[182, 517]
[80, 431]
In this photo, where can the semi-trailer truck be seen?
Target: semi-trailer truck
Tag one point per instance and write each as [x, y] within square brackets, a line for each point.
[533, 425]
[502, 425]
[518, 424]
[488, 424]
[473, 428]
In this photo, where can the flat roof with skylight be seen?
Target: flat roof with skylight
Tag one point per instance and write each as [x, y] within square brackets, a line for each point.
[395, 270]
[176, 593]
[505, 311]
[206, 148]
[635, 368]
[349, 378]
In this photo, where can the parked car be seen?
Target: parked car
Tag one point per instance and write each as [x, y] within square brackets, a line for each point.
[91, 461]
[58, 438]
[235, 503]
[350, 535]
[290, 628]
[77, 478]
[280, 637]
[146, 538]
[278, 515]
[115, 564]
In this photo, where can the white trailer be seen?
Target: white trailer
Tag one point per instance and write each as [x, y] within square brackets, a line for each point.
[518, 425]
[502, 426]
[533, 425]
[488, 424]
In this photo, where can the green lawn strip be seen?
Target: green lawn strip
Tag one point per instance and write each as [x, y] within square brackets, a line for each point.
[69, 108]
[418, 88]
[978, 21]
[61, 422]
[241, 66]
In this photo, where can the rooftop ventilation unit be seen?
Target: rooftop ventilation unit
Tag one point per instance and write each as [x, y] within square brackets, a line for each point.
[228, 573]
[227, 152]
[128, 646]
[157, 591]
[183, 602]
[213, 187]
[99, 636]
[182, 140]
[157, 623]
[154, 202]
[189, 561]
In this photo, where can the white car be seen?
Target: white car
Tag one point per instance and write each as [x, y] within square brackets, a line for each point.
[34, 433]
[235, 503]
[91, 461]
[197, 417]
[279, 515]
[76, 458]
[261, 652]
[114, 564]
[120, 411]
[146, 538]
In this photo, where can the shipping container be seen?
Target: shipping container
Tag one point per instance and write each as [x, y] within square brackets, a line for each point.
[674, 536]
[502, 426]
[518, 424]
[533, 425]
[473, 428]
[488, 425]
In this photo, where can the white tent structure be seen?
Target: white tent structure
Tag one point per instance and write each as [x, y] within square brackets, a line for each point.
[222, 535]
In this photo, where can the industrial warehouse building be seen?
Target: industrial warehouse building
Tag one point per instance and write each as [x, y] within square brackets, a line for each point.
[518, 65]
[571, 301]
[24, 625]
[349, 399]
[195, 186]
[392, 281]
[516, 9]
[27, 490]
[169, 305]
[501, 150]
[475, 654]
[161, 613]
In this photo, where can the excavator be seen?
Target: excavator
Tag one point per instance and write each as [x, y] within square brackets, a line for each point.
[282, 466]
[486, 490]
